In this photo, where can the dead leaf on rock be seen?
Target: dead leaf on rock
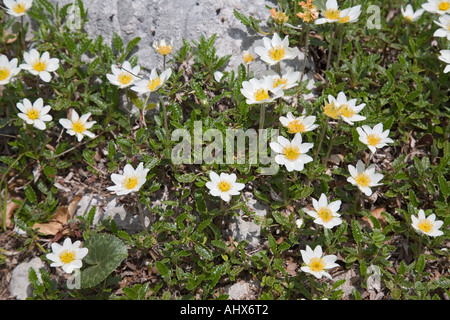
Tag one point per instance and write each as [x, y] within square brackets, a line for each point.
[59, 219]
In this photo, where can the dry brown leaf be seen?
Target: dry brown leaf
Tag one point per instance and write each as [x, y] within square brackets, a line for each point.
[59, 219]
[377, 214]
[11, 206]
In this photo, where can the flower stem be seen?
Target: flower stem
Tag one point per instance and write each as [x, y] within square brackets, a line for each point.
[330, 148]
[143, 111]
[329, 52]
[322, 135]
[166, 125]
[306, 54]
[141, 213]
[164, 62]
[341, 38]
[285, 188]
[262, 112]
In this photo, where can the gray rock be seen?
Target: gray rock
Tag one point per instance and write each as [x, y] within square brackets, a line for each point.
[19, 285]
[243, 290]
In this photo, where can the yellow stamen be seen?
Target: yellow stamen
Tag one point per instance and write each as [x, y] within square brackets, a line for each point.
[373, 139]
[152, 84]
[124, 77]
[444, 5]
[33, 114]
[325, 214]
[277, 53]
[224, 186]
[344, 19]
[291, 152]
[19, 8]
[316, 264]
[332, 111]
[346, 111]
[261, 94]
[67, 256]
[164, 50]
[79, 127]
[409, 19]
[248, 57]
[40, 66]
[425, 225]
[296, 126]
[363, 179]
[279, 82]
[332, 14]
[4, 73]
[130, 182]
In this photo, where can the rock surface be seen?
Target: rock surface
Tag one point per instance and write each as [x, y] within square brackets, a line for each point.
[19, 285]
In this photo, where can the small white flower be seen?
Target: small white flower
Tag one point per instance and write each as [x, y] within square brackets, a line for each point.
[444, 24]
[350, 15]
[224, 186]
[437, 6]
[292, 154]
[364, 178]
[77, 125]
[8, 69]
[130, 181]
[40, 65]
[247, 57]
[299, 222]
[154, 83]
[429, 226]
[17, 8]
[162, 47]
[260, 91]
[374, 138]
[68, 256]
[276, 50]
[124, 76]
[316, 263]
[445, 57]
[409, 14]
[331, 14]
[348, 110]
[325, 213]
[218, 76]
[35, 114]
[288, 80]
[298, 124]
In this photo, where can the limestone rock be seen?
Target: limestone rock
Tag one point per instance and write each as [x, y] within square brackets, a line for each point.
[19, 285]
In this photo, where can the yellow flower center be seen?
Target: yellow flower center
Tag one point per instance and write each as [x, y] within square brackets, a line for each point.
[40, 66]
[248, 57]
[444, 5]
[79, 127]
[224, 186]
[344, 19]
[332, 111]
[296, 126]
[152, 84]
[346, 111]
[316, 264]
[363, 179]
[130, 182]
[291, 152]
[261, 94]
[67, 256]
[325, 214]
[19, 8]
[33, 114]
[164, 50]
[124, 77]
[425, 225]
[373, 139]
[332, 14]
[277, 53]
[409, 18]
[4, 73]
[279, 82]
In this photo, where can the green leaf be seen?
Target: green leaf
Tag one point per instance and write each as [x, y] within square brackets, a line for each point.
[163, 270]
[30, 194]
[106, 253]
[117, 42]
[186, 178]
[204, 252]
[443, 186]
[356, 231]
[420, 264]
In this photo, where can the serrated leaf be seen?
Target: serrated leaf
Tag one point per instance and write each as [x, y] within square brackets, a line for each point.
[186, 178]
[356, 231]
[420, 264]
[204, 252]
[117, 42]
[106, 253]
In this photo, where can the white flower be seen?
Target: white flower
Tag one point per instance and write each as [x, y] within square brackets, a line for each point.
[247, 57]
[124, 76]
[348, 110]
[444, 30]
[374, 138]
[77, 125]
[163, 48]
[260, 91]
[409, 14]
[292, 154]
[8, 69]
[316, 263]
[288, 80]
[364, 178]
[331, 14]
[35, 114]
[445, 57]
[68, 256]
[350, 15]
[276, 50]
[298, 124]
[40, 65]
[325, 213]
[218, 76]
[299, 222]
[154, 83]
[437, 6]
[429, 226]
[130, 181]
[224, 186]
[17, 8]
